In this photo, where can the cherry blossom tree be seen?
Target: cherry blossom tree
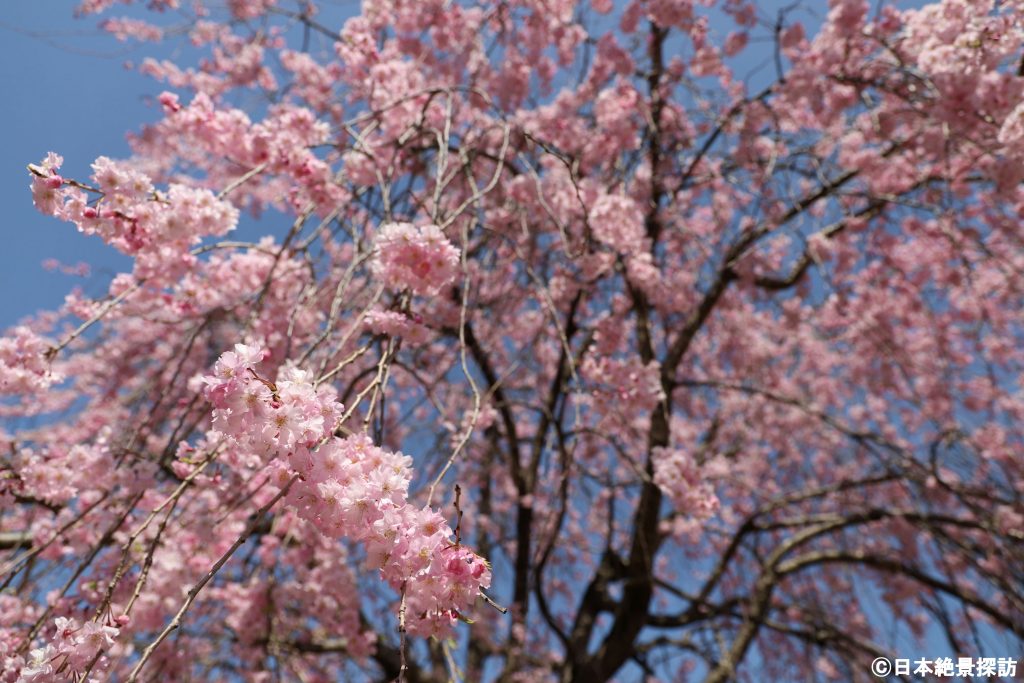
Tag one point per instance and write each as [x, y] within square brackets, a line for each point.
[646, 340]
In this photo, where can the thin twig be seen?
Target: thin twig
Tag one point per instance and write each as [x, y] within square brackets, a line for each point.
[194, 591]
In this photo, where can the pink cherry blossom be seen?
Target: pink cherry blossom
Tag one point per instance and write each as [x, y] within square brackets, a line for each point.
[617, 222]
[420, 258]
[577, 341]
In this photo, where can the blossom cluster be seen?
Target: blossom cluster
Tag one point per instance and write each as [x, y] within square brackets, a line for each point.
[419, 258]
[351, 488]
[617, 221]
[72, 649]
[615, 112]
[23, 364]
[1011, 133]
[265, 417]
[124, 28]
[396, 324]
[625, 381]
[678, 475]
[130, 215]
[347, 487]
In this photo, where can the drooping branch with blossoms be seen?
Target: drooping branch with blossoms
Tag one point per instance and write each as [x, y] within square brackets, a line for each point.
[650, 340]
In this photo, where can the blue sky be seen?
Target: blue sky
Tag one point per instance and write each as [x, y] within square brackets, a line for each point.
[65, 89]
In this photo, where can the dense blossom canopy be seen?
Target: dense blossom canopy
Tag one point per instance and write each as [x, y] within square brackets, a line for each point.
[647, 339]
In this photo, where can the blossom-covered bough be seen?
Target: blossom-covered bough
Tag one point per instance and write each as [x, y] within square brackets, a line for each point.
[595, 340]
